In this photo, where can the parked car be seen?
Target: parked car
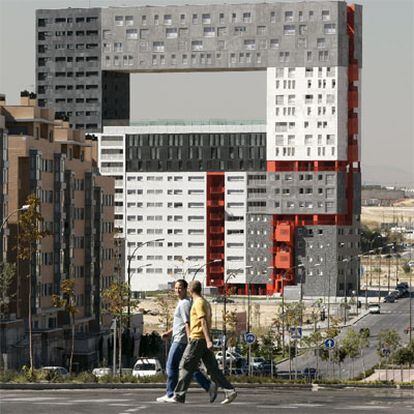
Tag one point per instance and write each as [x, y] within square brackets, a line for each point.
[403, 285]
[146, 367]
[374, 308]
[229, 356]
[55, 371]
[220, 299]
[257, 362]
[389, 299]
[101, 372]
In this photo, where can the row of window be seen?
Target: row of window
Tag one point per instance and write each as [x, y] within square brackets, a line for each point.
[42, 22]
[197, 140]
[209, 18]
[328, 139]
[308, 99]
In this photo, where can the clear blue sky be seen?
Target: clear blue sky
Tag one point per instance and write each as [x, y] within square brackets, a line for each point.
[387, 81]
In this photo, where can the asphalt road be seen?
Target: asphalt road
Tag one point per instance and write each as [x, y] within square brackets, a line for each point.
[393, 316]
[249, 401]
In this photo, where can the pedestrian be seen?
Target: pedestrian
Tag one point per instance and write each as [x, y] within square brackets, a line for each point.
[200, 348]
[180, 332]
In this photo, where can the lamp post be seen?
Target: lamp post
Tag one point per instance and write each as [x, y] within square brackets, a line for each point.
[25, 207]
[231, 273]
[205, 264]
[129, 277]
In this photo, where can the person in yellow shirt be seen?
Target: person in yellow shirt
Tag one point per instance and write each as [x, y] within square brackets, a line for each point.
[199, 348]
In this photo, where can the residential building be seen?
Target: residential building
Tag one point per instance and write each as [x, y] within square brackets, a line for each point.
[309, 189]
[50, 160]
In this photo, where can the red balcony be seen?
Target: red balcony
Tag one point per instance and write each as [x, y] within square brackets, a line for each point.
[352, 126]
[283, 232]
[216, 269]
[215, 203]
[353, 152]
[217, 190]
[216, 256]
[216, 216]
[284, 260]
[216, 230]
[216, 243]
[353, 98]
[353, 74]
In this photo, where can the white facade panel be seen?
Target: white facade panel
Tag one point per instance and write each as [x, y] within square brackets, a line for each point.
[307, 114]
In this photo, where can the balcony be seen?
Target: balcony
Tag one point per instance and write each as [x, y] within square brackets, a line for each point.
[216, 243]
[215, 203]
[353, 73]
[216, 270]
[353, 98]
[216, 216]
[284, 260]
[283, 233]
[352, 126]
[217, 190]
[216, 230]
[216, 256]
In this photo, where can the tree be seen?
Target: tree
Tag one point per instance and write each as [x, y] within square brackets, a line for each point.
[67, 301]
[29, 236]
[7, 274]
[388, 343]
[116, 297]
[353, 344]
[405, 355]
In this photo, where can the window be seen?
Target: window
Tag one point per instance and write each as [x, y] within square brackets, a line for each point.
[321, 43]
[197, 45]
[129, 20]
[119, 20]
[209, 32]
[118, 47]
[261, 30]
[326, 15]
[329, 28]
[289, 29]
[247, 17]
[132, 34]
[206, 18]
[274, 43]
[289, 16]
[167, 19]
[158, 46]
[171, 33]
[250, 44]
[284, 57]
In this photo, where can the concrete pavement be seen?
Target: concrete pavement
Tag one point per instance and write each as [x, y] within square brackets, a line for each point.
[249, 401]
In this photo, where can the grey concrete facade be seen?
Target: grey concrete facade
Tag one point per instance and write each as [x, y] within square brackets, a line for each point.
[292, 192]
[84, 55]
[329, 256]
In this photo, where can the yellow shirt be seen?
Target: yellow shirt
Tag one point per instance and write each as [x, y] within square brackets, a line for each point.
[200, 309]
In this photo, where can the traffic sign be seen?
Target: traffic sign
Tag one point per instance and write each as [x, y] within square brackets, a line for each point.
[296, 332]
[249, 338]
[329, 343]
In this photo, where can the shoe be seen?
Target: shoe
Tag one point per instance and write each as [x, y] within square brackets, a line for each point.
[230, 396]
[212, 391]
[163, 399]
[174, 400]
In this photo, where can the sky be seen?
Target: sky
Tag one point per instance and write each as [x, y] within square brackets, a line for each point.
[387, 81]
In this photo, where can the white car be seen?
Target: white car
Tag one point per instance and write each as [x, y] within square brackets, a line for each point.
[146, 367]
[101, 372]
[233, 356]
[55, 371]
[374, 308]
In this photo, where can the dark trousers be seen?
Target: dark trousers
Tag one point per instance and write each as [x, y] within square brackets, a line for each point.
[195, 351]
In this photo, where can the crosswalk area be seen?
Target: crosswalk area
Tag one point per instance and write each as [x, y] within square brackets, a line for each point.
[250, 400]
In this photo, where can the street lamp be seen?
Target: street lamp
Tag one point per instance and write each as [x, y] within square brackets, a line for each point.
[25, 207]
[231, 273]
[205, 264]
[129, 276]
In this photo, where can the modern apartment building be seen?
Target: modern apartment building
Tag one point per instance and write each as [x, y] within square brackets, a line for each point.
[309, 188]
[54, 162]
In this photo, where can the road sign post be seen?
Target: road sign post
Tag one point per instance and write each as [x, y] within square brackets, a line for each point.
[250, 339]
[329, 343]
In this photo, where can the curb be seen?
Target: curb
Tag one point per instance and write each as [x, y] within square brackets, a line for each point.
[313, 387]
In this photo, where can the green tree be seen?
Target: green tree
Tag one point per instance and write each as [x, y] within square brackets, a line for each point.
[67, 301]
[353, 343]
[30, 235]
[405, 355]
[388, 343]
[7, 274]
[116, 297]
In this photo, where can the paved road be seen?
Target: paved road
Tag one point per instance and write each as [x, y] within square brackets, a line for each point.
[393, 316]
[249, 401]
